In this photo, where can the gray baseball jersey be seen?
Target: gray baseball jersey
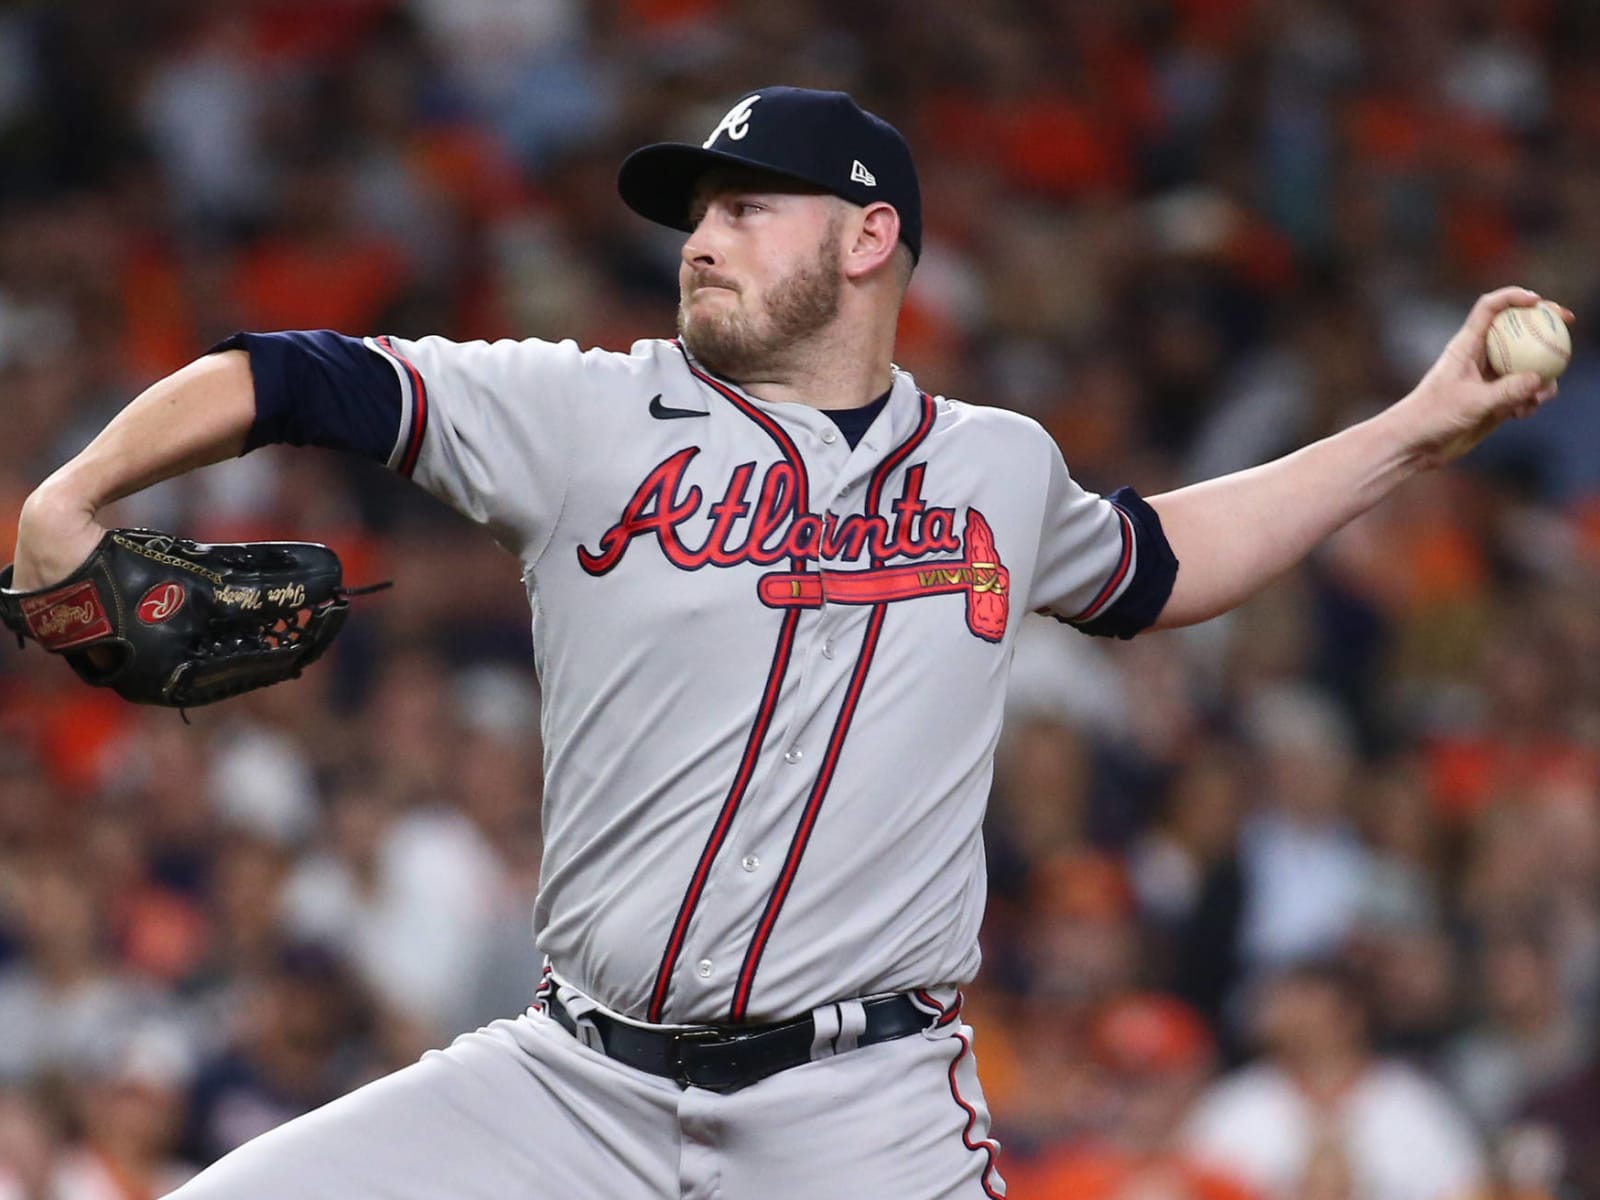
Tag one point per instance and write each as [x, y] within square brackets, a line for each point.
[773, 646]
[773, 665]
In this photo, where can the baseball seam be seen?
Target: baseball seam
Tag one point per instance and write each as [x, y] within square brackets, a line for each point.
[1500, 345]
[1563, 355]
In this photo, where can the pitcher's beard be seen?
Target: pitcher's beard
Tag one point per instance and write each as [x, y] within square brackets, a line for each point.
[739, 347]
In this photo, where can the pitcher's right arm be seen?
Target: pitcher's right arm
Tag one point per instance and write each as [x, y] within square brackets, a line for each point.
[198, 415]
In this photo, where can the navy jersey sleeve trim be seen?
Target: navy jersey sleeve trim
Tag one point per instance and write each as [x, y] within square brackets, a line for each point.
[414, 408]
[1154, 572]
[854, 422]
[319, 388]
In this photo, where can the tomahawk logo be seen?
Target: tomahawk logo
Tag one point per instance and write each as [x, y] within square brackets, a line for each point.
[736, 124]
[979, 576]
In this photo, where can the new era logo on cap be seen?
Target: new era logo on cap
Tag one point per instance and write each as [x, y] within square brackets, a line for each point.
[795, 133]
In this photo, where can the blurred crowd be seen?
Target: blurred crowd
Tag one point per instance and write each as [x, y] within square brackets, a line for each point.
[1303, 903]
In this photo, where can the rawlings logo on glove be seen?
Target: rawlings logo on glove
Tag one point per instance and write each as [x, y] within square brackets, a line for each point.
[181, 623]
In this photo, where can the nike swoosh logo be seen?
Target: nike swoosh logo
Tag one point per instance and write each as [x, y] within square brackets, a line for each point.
[661, 412]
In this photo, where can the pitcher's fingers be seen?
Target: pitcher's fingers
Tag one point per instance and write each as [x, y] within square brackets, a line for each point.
[1469, 339]
[1526, 408]
[1511, 392]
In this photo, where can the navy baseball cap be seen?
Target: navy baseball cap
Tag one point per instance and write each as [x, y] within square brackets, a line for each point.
[821, 138]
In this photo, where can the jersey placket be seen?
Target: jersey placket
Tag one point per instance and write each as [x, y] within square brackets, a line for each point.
[756, 834]
[819, 663]
[688, 928]
[830, 727]
[827, 641]
[759, 832]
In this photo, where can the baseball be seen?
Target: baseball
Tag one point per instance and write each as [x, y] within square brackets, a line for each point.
[1534, 338]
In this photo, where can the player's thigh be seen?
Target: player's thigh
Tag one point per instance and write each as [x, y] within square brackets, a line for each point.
[513, 1110]
[905, 1119]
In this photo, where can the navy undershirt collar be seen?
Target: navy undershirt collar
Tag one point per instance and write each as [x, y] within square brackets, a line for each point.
[854, 422]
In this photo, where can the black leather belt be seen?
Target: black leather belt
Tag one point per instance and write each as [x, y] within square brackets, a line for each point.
[727, 1058]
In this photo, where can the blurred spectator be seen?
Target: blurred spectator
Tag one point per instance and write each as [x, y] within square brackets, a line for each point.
[1538, 863]
[1320, 1115]
[1304, 867]
[244, 884]
[1400, 940]
[261, 782]
[1078, 951]
[1414, 973]
[1149, 1055]
[296, 1045]
[406, 897]
[1525, 1037]
[1556, 1140]
[1403, 882]
[1186, 872]
[28, 1147]
[127, 1099]
[500, 771]
[58, 1002]
[1041, 795]
[204, 109]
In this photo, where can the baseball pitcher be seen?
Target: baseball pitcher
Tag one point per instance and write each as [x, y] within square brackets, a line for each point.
[775, 586]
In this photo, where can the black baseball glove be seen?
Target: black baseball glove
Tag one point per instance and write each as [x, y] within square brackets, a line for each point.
[181, 623]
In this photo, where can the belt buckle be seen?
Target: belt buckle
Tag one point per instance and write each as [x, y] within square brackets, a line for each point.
[706, 1036]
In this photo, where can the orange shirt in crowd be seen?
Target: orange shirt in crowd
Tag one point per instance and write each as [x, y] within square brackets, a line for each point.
[1465, 774]
[287, 283]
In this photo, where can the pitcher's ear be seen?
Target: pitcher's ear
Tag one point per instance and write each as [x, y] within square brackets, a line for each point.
[877, 233]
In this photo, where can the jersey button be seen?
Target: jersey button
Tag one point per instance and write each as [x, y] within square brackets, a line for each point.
[703, 968]
[750, 862]
[793, 755]
[827, 649]
[830, 436]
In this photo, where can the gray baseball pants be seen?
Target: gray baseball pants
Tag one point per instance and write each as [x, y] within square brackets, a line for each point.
[522, 1109]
